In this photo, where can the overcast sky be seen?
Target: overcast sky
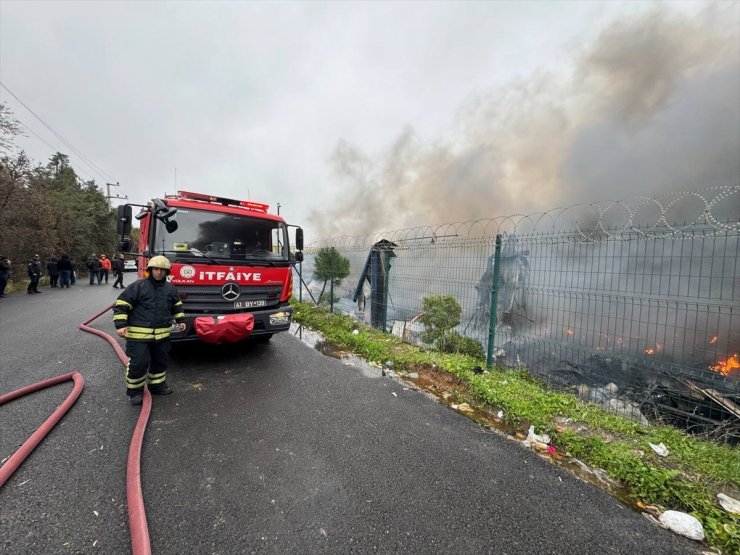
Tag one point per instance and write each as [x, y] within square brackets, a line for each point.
[358, 117]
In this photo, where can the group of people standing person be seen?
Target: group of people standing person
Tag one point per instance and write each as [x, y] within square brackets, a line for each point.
[62, 271]
[101, 267]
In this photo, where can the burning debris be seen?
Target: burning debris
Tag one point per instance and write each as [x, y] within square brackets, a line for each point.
[728, 365]
[703, 402]
[655, 349]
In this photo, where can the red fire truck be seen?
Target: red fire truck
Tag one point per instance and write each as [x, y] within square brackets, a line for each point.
[231, 262]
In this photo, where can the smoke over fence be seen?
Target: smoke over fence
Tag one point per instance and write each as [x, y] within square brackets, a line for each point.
[652, 101]
[620, 302]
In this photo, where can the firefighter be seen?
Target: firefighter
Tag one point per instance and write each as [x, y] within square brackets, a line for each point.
[143, 315]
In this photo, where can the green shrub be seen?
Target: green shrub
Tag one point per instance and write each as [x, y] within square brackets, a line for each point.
[441, 314]
[453, 342]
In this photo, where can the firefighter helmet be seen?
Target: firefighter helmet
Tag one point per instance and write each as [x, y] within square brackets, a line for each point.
[159, 262]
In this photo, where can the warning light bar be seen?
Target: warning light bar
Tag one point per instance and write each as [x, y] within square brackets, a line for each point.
[225, 201]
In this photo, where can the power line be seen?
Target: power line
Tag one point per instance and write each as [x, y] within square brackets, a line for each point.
[92, 165]
[39, 137]
[59, 136]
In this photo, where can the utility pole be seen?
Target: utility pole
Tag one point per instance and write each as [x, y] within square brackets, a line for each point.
[109, 196]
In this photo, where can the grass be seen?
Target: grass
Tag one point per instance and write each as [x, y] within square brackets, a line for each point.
[688, 479]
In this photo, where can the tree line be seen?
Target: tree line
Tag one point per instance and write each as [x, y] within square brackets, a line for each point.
[48, 209]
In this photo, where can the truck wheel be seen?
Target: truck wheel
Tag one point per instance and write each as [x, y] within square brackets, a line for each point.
[263, 338]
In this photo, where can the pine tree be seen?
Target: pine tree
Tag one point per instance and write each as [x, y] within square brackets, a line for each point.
[330, 265]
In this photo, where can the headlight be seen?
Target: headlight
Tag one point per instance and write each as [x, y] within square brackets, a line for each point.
[280, 318]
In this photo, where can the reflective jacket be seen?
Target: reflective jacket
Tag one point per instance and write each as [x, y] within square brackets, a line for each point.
[147, 307]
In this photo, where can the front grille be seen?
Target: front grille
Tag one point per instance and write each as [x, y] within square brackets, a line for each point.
[207, 298]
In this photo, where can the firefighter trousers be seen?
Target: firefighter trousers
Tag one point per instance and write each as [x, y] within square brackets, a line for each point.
[147, 364]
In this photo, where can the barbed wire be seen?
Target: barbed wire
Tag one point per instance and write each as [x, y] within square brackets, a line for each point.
[650, 217]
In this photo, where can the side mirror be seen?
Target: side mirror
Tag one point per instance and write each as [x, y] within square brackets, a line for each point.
[170, 226]
[123, 225]
[299, 256]
[162, 211]
[299, 239]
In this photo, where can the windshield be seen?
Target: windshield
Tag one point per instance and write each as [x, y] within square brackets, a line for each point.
[222, 237]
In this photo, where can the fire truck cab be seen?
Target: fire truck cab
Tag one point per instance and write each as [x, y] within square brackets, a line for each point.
[231, 262]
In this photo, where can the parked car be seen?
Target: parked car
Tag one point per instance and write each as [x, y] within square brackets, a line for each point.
[129, 265]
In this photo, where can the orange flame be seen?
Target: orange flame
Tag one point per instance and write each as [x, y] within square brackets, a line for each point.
[650, 351]
[713, 340]
[570, 331]
[724, 366]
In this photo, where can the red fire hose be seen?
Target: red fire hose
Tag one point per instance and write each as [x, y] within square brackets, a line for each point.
[15, 460]
[136, 514]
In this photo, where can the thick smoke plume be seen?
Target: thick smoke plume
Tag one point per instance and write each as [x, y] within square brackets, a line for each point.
[651, 106]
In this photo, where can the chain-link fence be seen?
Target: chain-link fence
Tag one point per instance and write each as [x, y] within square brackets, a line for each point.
[617, 302]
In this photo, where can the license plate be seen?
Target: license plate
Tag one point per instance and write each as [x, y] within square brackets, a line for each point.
[249, 304]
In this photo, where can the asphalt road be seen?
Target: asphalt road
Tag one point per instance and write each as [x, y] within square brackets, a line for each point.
[270, 449]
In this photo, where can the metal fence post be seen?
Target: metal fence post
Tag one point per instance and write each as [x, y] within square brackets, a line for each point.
[494, 302]
[331, 293]
[386, 267]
